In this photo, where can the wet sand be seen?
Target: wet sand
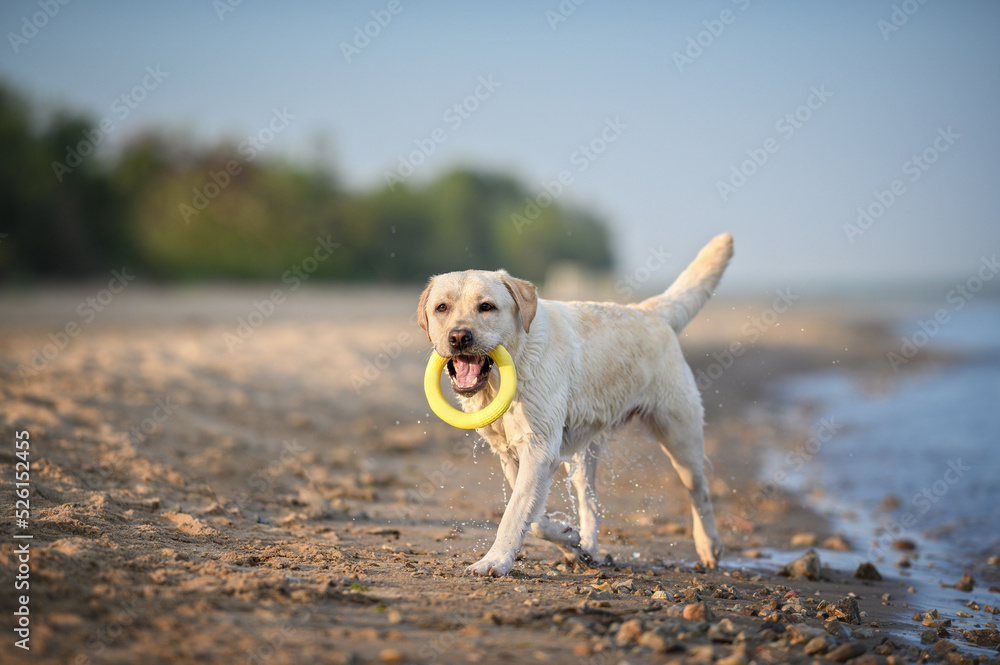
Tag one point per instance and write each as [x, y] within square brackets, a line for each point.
[276, 492]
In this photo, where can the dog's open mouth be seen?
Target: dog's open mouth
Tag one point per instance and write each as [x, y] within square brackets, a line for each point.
[469, 374]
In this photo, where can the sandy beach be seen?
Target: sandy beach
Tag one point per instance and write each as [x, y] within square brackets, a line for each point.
[229, 474]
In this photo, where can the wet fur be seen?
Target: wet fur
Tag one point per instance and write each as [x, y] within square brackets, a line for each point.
[584, 369]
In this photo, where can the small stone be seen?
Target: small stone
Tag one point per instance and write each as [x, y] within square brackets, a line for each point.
[904, 544]
[846, 652]
[654, 642]
[628, 586]
[390, 656]
[724, 631]
[696, 612]
[928, 637]
[582, 650]
[816, 646]
[835, 628]
[963, 614]
[739, 656]
[628, 632]
[890, 502]
[984, 637]
[804, 539]
[395, 616]
[867, 571]
[837, 542]
[661, 595]
[847, 610]
[966, 583]
[807, 565]
[943, 648]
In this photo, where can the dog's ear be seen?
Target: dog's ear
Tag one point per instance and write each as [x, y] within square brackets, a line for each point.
[525, 296]
[422, 308]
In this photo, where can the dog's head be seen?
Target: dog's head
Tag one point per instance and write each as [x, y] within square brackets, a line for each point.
[466, 314]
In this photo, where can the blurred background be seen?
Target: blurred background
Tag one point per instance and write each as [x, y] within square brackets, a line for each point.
[846, 145]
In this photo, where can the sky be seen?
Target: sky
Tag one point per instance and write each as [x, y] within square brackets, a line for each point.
[841, 143]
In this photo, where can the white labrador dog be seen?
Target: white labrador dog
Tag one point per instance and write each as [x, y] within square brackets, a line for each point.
[584, 369]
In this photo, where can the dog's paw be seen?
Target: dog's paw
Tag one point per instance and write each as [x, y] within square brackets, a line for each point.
[577, 557]
[489, 567]
[709, 552]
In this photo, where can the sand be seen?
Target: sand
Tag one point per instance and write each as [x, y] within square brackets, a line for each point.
[276, 492]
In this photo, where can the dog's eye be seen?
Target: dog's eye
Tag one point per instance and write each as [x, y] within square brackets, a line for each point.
[441, 308]
[486, 307]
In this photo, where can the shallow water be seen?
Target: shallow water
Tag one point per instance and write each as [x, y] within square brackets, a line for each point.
[915, 456]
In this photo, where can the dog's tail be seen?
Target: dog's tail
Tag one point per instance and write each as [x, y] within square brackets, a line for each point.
[689, 292]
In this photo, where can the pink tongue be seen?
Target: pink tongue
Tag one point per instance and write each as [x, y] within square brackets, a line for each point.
[467, 370]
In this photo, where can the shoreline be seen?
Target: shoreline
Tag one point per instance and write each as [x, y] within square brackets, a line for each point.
[290, 500]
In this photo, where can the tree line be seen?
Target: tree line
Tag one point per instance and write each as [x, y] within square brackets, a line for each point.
[178, 211]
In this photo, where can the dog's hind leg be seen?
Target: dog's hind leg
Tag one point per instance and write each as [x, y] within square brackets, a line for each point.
[583, 472]
[682, 439]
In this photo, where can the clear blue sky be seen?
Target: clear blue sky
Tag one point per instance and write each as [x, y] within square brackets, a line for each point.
[682, 125]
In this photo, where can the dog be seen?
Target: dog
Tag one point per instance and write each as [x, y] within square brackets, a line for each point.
[584, 369]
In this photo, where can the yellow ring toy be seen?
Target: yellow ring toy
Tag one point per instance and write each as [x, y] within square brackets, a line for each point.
[457, 418]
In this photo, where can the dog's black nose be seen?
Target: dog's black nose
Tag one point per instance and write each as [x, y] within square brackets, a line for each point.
[460, 338]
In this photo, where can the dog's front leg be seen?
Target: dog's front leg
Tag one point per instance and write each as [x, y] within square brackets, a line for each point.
[527, 502]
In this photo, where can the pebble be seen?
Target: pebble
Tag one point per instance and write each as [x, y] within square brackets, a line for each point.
[966, 583]
[804, 539]
[816, 646]
[661, 595]
[655, 642]
[629, 631]
[696, 612]
[904, 544]
[807, 565]
[739, 656]
[390, 656]
[847, 610]
[837, 542]
[846, 652]
[724, 631]
[867, 571]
